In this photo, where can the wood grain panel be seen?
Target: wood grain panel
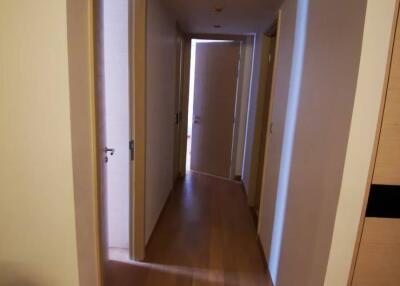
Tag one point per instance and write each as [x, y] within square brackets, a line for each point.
[387, 168]
[378, 261]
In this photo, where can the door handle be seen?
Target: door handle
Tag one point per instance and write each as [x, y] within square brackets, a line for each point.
[196, 119]
[107, 151]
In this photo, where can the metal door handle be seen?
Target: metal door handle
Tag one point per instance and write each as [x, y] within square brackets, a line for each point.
[106, 151]
[196, 119]
[109, 150]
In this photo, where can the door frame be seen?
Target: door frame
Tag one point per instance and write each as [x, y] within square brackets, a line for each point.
[263, 124]
[277, 26]
[99, 108]
[262, 108]
[137, 80]
[185, 104]
[138, 24]
[179, 103]
[369, 179]
[83, 50]
[85, 83]
[185, 80]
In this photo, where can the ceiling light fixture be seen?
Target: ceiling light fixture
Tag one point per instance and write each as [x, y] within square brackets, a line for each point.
[218, 9]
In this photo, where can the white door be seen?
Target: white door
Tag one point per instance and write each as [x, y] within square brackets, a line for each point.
[215, 85]
[116, 81]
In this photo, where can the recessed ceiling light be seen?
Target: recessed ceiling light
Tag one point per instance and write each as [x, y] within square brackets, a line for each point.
[217, 26]
[218, 9]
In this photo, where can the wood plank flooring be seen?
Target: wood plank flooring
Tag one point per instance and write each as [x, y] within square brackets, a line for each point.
[205, 236]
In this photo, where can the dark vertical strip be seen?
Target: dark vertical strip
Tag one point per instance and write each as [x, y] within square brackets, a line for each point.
[384, 201]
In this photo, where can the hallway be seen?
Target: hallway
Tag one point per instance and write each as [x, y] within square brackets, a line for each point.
[205, 236]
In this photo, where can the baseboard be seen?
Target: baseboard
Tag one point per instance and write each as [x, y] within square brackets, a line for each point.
[264, 259]
[262, 252]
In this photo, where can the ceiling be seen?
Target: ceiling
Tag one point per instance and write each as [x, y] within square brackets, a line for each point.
[237, 16]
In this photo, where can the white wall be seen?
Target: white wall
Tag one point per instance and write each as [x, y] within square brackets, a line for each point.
[37, 217]
[376, 44]
[116, 71]
[160, 100]
[321, 95]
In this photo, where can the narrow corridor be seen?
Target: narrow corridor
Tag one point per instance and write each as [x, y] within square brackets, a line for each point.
[205, 236]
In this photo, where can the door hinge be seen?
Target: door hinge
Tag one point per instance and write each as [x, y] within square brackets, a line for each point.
[132, 149]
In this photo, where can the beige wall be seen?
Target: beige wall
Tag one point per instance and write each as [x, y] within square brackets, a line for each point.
[37, 217]
[321, 127]
[370, 89]
[160, 100]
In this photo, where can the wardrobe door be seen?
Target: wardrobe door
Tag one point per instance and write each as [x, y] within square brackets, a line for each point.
[387, 166]
[378, 261]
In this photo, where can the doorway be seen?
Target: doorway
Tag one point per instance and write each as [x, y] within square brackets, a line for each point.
[214, 72]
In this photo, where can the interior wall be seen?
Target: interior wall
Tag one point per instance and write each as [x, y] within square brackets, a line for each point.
[160, 118]
[37, 217]
[116, 83]
[246, 65]
[251, 113]
[320, 106]
[376, 45]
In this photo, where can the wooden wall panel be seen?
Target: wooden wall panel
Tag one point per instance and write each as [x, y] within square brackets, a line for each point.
[378, 262]
[387, 168]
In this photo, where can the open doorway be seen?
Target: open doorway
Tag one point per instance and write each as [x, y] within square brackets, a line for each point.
[204, 80]
[213, 93]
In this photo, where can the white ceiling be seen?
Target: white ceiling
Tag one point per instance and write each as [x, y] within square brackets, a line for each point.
[237, 17]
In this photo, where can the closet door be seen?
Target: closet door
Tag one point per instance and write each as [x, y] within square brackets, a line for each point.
[378, 260]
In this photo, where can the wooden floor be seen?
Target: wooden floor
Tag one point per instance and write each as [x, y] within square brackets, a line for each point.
[205, 236]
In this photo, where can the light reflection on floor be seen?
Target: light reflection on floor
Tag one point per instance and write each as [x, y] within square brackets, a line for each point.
[207, 275]
[188, 153]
